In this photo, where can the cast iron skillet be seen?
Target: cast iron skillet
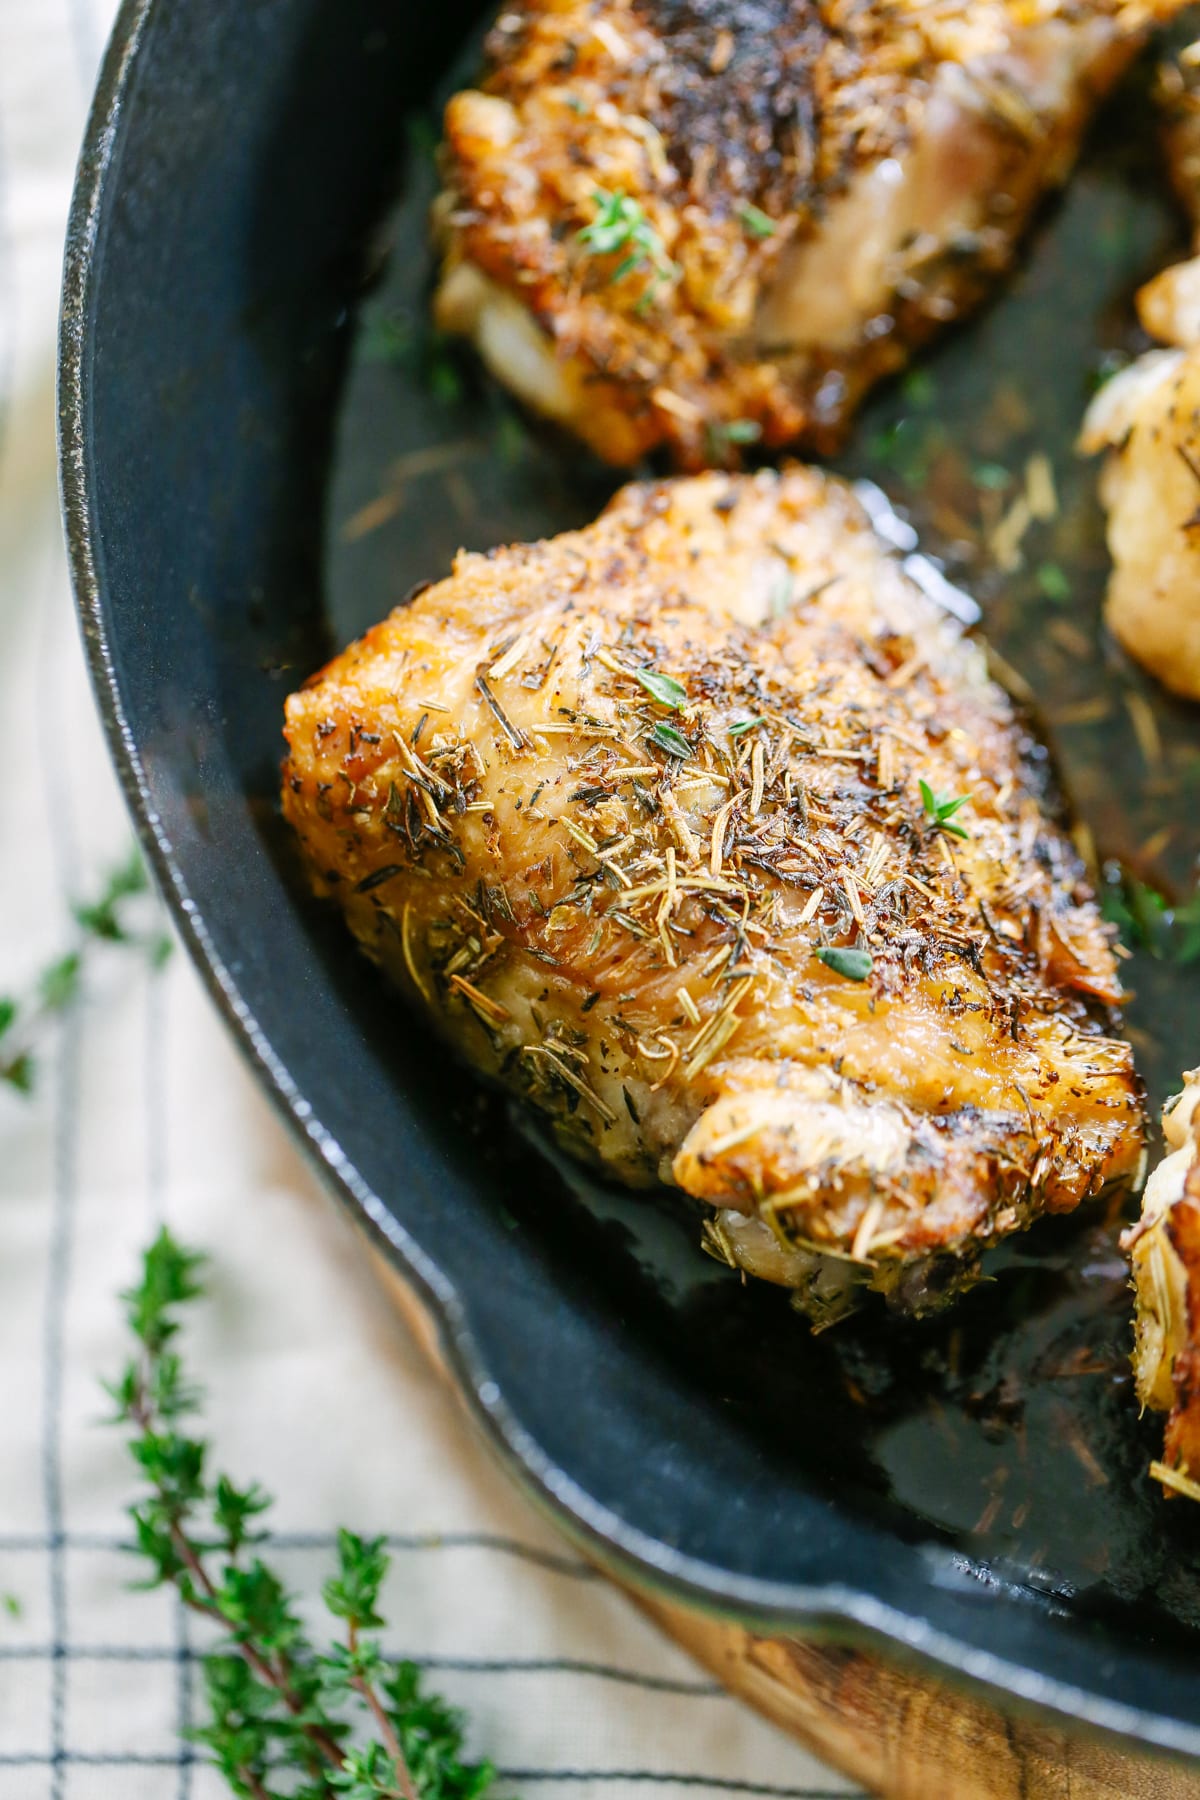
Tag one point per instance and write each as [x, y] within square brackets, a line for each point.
[972, 1492]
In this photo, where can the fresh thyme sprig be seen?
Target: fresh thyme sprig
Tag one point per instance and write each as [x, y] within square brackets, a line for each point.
[941, 808]
[288, 1720]
[1147, 921]
[621, 225]
[103, 920]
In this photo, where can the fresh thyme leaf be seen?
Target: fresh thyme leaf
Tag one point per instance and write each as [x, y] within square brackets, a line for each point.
[855, 965]
[102, 918]
[918, 388]
[19, 1073]
[940, 810]
[783, 592]
[1054, 582]
[59, 984]
[13, 1606]
[991, 475]
[1187, 916]
[663, 688]
[741, 726]
[737, 431]
[1140, 914]
[673, 742]
[725, 435]
[756, 222]
[287, 1714]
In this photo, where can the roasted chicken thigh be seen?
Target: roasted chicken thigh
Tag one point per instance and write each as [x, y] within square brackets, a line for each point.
[1164, 1248]
[704, 222]
[1147, 420]
[706, 831]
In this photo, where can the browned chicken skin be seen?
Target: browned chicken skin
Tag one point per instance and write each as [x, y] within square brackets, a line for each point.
[635, 815]
[1147, 420]
[819, 184]
[1164, 1248]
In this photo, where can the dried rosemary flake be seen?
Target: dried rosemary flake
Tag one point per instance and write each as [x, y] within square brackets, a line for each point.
[409, 959]
[860, 1249]
[850, 888]
[567, 1074]
[757, 766]
[508, 660]
[725, 1030]
[490, 1009]
[1175, 1478]
[813, 907]
[583, 838]
[691, 1010]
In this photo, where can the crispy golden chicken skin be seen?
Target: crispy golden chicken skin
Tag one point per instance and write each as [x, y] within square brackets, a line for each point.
[1164, 1248]
[635, 815]
[1147, 420]
[694, 224]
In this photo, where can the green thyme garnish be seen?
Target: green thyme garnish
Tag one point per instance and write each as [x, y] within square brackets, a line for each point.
[940, 810]
[991, 475]
[665, 737]
[286, 1712]
[1187, 916]
[1147, 921]
[663, 688]
[918, 388]
[621, 225]
[105, 920]
[741, 726]
[855, 965]
[1053, 582]
[756, 222]
[721, 436]
[736, 431]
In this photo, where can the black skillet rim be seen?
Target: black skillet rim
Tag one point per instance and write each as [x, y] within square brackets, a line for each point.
[831, 1610]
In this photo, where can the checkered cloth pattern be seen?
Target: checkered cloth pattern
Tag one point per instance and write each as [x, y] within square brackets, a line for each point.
[143, 1112]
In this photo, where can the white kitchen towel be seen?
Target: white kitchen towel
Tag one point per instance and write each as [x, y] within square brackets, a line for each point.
[142, 1111]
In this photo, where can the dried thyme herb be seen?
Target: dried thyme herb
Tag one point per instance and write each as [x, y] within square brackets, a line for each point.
[286, 1715]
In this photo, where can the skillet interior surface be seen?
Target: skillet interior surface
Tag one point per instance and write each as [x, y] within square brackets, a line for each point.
[263, 450]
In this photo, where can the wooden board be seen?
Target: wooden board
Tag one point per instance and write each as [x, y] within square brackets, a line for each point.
[904, 1736]
[900, 1735]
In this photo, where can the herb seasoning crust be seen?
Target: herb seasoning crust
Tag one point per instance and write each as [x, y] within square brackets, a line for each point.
[701, 225]
[706, 831]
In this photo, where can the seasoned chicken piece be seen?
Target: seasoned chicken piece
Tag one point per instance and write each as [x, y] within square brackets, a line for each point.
[637, 816]
[697, 224]
[1164, 1248]
[1148, 420]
